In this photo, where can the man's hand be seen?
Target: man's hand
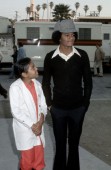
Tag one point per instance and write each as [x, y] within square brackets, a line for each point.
[49, 107]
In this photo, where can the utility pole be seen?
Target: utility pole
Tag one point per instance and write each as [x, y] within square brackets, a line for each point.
[47, 10]
[16, 15]
[32, 7]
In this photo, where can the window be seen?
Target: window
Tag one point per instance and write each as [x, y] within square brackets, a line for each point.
[106, 36]
[33, 32]
[51, 28]
[85, 33]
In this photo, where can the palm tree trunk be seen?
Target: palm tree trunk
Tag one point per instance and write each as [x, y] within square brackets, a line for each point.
[43, 14]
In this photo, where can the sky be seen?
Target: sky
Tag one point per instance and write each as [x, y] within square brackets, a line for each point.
[8, 8]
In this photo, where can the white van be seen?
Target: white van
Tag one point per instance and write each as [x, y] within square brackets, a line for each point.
[36, 37]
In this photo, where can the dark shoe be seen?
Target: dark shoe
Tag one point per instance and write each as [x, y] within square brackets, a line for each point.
[5, 95]
[95, 75]
[11, 77]
[3, 91]
[100, 75]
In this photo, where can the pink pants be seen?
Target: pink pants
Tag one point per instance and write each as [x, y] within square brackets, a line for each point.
[32, 158]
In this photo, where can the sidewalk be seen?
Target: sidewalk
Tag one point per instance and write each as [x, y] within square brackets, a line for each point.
[8, 154]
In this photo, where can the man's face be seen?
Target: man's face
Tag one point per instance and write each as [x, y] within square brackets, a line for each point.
[67, 39]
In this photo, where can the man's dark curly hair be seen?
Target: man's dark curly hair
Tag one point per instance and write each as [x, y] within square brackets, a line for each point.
[56, 35]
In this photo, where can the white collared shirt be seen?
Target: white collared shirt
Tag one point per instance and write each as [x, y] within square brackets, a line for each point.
[65, 57]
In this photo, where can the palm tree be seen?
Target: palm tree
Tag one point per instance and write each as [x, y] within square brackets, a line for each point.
[77, 5]
[51, 4]
[28, 11]
[36, 15]
[86, 8]
[12, 21]
[38, 9]
[44, 6]
[73, 14]
[99, 8]
[60, 12]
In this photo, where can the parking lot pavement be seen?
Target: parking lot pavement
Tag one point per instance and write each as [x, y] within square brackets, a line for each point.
[101, 86]
[95, 152]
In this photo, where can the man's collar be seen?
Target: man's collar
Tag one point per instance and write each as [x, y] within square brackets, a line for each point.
[57, 52]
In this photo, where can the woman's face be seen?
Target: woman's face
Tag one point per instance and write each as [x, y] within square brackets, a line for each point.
[32, 71]
[67, 39]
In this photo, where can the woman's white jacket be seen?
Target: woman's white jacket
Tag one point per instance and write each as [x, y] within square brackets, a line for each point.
[24, 114]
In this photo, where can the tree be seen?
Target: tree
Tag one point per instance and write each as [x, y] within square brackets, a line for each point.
[38, 9]
[60, 12]
[12, 21]
[44, 6]
[28, 11]
[99, 8]
[86, 8]
[73, 14]
[51, 4]
[77, 5]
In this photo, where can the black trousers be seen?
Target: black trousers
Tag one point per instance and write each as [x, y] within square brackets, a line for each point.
[67, 126]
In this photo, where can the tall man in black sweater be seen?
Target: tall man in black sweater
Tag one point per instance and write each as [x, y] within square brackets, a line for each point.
[70, 69]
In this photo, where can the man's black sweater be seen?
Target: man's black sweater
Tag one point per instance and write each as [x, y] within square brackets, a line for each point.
[72, 80]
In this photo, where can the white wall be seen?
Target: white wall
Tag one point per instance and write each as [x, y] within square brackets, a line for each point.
[106, 44]
[4, 23]
[95, 29]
